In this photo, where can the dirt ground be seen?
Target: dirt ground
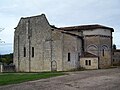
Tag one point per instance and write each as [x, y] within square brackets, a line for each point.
[104, 79]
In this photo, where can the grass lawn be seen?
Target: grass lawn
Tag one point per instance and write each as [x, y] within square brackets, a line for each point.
[13, 78]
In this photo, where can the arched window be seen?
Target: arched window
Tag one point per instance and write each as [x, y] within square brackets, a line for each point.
[24, 51]
[68, 56]
[104, 49]
[32, 51]
[93, 49]
[103, 52]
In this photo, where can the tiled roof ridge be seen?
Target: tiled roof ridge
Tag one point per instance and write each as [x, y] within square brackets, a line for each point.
[88, 54]
[86, 27]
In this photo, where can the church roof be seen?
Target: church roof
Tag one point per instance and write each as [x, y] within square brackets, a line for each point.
[116, 50]
[86, 27]
[87, 54]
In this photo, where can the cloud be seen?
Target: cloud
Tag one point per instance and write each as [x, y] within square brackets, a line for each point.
[60, 13]
[6, 49]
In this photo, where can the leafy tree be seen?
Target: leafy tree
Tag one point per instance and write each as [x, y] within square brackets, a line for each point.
[7, 58]
[114, 47]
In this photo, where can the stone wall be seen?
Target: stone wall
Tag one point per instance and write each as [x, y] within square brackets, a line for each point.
[105, 32]
[63, 44]
[94, 63]
[49, 45]
[105, 52]
[57, 50]
[116, 58]
[40, 47]
[100, 44]
[32, 32]
[7, 68]
[72, 45]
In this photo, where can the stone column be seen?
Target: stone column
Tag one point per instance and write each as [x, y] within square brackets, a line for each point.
[1, 68]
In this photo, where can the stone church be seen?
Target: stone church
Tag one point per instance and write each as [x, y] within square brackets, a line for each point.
[39, 46]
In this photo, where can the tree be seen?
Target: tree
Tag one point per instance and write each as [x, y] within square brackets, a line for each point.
[114, 47]
[7, 58]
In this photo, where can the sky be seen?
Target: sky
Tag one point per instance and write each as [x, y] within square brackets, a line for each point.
[60, 13]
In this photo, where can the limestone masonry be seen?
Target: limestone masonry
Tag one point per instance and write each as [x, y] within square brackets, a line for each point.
[39, 46]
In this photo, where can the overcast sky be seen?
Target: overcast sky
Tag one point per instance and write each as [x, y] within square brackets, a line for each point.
[59, 13]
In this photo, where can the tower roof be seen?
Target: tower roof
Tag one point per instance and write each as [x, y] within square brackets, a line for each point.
[86, 27]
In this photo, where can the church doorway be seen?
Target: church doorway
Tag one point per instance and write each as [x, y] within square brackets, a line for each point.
[54, 66]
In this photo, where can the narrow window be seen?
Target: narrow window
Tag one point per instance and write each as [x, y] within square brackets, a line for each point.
[68, 56]
[103, 53]
[86, 62]
[78, 56]
[24, 52]
[113, 60]
[32, 51]
[89, 62]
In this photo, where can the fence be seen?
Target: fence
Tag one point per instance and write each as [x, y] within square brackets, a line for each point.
[7, 68]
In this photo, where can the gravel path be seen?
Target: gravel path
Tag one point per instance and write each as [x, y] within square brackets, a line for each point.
[105, 79]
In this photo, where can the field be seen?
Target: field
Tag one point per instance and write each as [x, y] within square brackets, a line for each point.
[13, 78]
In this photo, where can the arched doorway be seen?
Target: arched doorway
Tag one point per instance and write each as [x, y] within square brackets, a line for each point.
[54, 66]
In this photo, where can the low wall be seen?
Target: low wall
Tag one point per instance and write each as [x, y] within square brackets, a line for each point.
[7, 68]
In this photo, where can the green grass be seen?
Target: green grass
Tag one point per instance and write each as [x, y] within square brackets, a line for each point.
[13, 78]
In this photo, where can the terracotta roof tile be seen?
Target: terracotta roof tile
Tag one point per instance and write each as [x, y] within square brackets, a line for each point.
[117, 50]
[85, 27]
[87, 54]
